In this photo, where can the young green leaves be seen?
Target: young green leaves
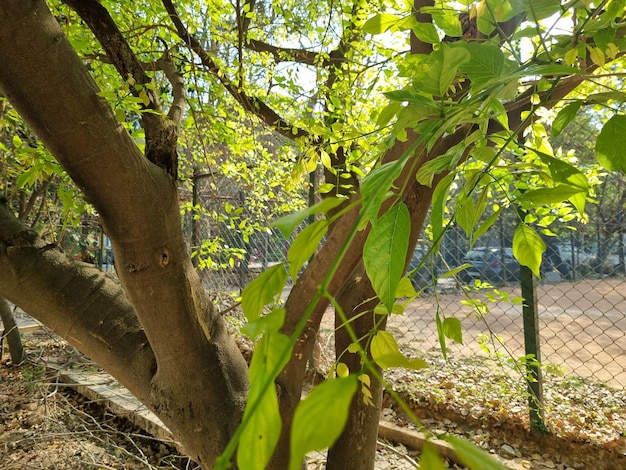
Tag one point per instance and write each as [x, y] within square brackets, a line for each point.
[610, 144]
[321, 417]
[385, 250]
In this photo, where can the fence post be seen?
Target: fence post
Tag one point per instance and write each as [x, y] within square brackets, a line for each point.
[532, 348]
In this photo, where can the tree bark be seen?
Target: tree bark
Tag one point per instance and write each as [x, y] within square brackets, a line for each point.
[199, 385]
[356, 447]
[11, 333]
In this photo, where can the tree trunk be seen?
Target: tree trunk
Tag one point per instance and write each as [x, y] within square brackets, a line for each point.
[198, 382]
[11, 333]
[356, 447]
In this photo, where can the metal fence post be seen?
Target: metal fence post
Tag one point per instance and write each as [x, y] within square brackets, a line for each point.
[532, 349]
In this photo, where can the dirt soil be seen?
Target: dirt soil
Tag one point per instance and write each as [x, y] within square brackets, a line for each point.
[46, 425]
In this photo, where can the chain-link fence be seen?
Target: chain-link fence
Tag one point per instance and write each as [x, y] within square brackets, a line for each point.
[576, 326]
[581, 297]
[581, 304]
[230, 240]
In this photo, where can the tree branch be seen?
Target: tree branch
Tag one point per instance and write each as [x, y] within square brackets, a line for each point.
[418, 46]
[179, 97]
[288, 54]
[161, 134]
[249, 103]
[77, 301]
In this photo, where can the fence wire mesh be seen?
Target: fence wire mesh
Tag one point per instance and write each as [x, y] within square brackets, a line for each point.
[581, 295]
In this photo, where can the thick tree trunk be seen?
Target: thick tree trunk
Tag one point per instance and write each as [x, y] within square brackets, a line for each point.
[356, 447]
[11, 333]
[198, 384]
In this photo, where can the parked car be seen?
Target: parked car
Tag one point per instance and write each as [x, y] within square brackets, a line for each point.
[558, 257]
[495, 265]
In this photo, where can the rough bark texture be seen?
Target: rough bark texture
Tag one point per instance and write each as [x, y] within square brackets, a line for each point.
[199, 384]
[356, 447]
[77, 301]
[11, 333]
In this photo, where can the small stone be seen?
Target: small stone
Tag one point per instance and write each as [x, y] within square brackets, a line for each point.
[549, 464]
[507, 451]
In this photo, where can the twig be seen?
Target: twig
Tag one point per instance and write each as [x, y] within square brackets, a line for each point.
[397, 452]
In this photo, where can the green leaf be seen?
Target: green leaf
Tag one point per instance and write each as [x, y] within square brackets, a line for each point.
[486, 62]
[447, 19]
[606, 96]
[426, 32]
[289, 223]
[405, 288]
[387, 113]
[270, 323]
[436, 73]
[320, 418]
[454, 271]
[433, 167]
[430, 458]
[452, 329]
[262, 415]
[304, 245]
[610, 144]
[440, 335]
[120, 115]
[263, 290]
[380, 23]
[411, 97]
[472, 456]
[386, 353]
[528, 248]
[452, 59]
[411, 114]
[440, 196]
[565, 173]
[565, 116]
[17, 141]
[376, 185]
[385, 252]
[554, 195]
[342, 370]
[486, 224]
[260, 436]
[28, 178]
[397, 309]
[537, 9]
[466, 214]
[550, 69]
[497, 11]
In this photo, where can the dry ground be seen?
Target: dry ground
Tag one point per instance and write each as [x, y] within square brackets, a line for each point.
[43, 425]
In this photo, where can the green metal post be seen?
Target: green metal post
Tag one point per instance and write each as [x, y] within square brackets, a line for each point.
[532, 349]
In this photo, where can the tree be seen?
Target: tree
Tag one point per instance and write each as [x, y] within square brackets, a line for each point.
[470, 83]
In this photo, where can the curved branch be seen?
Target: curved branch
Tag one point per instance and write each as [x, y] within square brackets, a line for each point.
[77, 301]
[179, 97]
[161, 134]
[249, 103]
[288, 54]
